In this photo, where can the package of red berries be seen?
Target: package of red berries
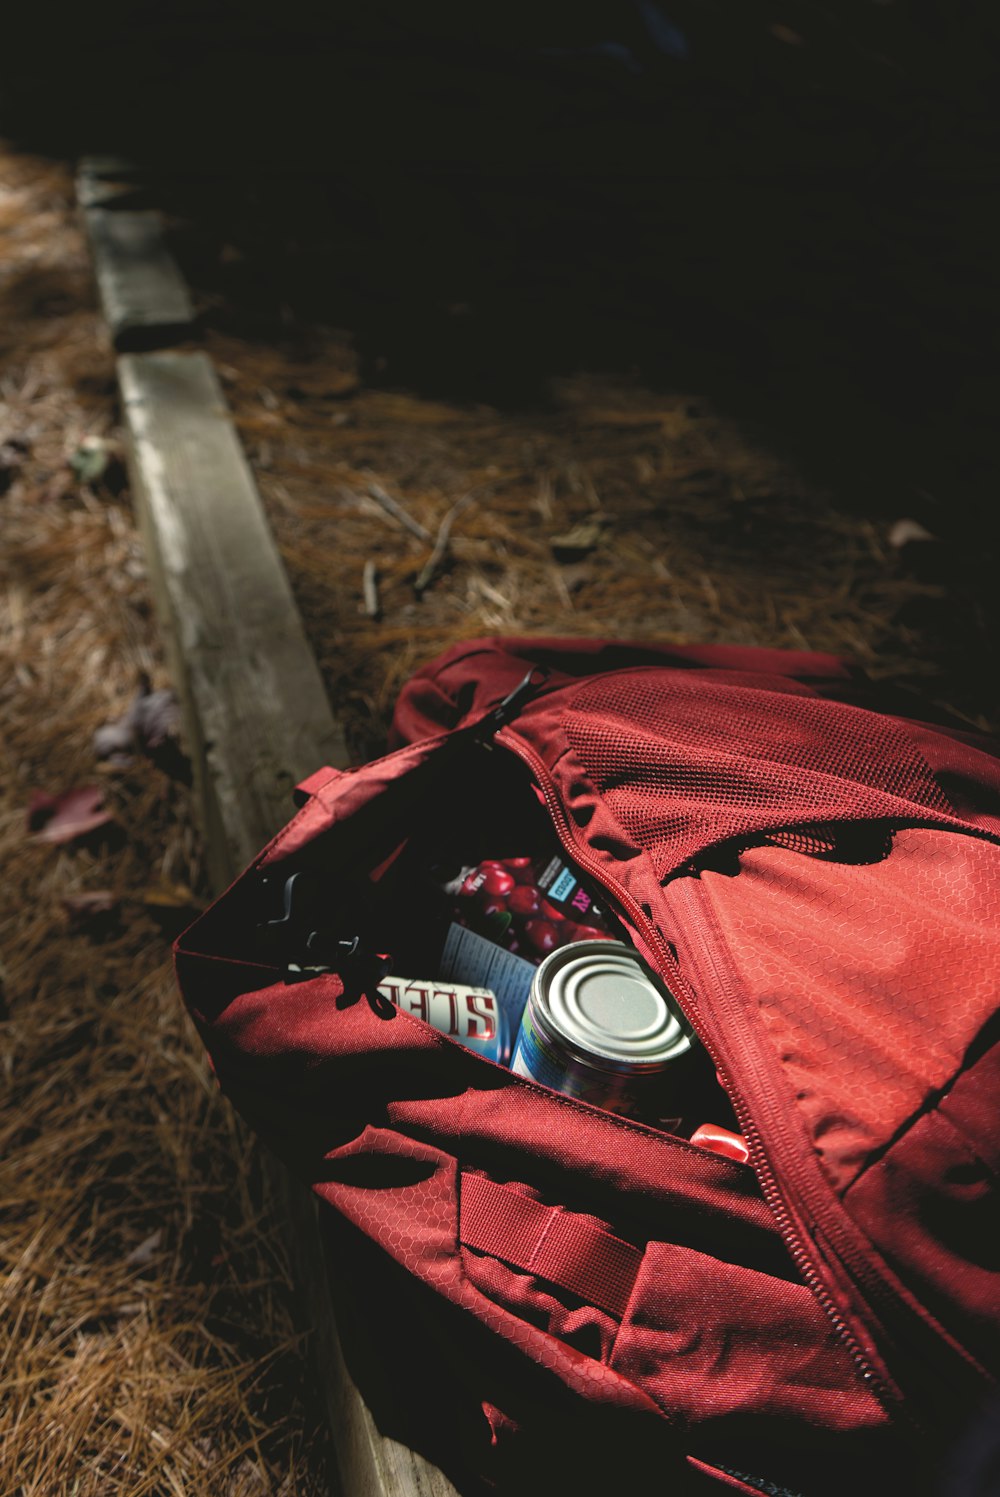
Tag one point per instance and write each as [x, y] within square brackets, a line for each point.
[528, 905]
[505, 915]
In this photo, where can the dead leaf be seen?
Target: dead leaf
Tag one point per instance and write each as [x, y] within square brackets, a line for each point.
[157, 719]
[89, 461]
[115, 741]
[921, 555]
[98, 462]
[332, 384]
[904, 532]
[143, 1255]
[152, 726]
[576, 542]
[92, 902]
[67, 816]
[174, 896]
[172, 905]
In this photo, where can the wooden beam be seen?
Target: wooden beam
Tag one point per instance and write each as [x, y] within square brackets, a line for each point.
[258, 720]
[145, 300]
[96, 191]
[257, 697]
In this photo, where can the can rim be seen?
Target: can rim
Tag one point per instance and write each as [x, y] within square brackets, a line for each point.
[578, 985]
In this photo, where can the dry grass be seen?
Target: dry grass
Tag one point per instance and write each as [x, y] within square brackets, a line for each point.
[146, 1339]
[692, 530]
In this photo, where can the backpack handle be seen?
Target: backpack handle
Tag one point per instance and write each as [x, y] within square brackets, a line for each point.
[570, 1251]
[307, 788]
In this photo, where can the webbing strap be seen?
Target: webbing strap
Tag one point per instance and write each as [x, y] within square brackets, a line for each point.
[308, 787]
[547, 1241]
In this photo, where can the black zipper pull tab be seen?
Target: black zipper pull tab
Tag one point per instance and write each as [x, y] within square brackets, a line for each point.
[504, 712]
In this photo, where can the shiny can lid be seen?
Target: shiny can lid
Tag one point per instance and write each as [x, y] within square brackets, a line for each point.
[601, 1001]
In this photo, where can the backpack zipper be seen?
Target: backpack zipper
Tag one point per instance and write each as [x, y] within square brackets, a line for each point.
[486, 728]
[864, 1275]
[770, 1189]
[721, 986]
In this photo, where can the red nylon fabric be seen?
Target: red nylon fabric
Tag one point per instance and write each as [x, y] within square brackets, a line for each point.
[899, 958]
[814, 881]
[544, 1240]
[313, 783]
[473, 675]
[682, 764]
[943, 1170]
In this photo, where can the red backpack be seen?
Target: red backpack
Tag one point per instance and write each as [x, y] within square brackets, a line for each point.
[565, 1294]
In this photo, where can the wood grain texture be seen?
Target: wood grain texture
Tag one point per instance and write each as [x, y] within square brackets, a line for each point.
[257, 720]
[96, 191]
[144, 297]
[263, 718]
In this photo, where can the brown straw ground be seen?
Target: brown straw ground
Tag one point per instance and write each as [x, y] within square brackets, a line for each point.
[146, 1339]
[408, 523]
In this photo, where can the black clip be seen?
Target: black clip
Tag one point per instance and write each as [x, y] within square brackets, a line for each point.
[504, 712]
[297, 938]
[306, 950]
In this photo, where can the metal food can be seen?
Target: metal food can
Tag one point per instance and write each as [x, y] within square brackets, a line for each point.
[600, 1026]
[472, 1016]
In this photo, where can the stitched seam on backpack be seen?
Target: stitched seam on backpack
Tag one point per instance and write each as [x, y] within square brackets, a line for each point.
[281, 837]
[930, 1108]
[542, 1240]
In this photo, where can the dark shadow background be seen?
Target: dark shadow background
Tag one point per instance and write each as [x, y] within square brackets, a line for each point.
[787, 205]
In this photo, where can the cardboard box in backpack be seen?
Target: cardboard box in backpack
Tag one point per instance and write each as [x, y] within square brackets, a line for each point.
[560, 1293]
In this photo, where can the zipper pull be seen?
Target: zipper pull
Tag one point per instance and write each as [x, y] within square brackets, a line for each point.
[721, 1141]
[504, 712]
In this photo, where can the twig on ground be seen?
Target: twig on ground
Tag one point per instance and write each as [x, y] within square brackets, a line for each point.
[395, 509]
[369, 585]
[430, 568]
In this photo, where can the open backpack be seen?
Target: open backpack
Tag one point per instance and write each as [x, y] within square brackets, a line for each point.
[568, 1295]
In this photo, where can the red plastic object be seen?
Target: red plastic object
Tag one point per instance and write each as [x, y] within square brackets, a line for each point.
[721, 1141]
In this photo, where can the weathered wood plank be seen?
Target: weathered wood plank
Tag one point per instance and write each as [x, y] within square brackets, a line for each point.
[93, 191]
[143, 294]
[261, 708]
[258, 721]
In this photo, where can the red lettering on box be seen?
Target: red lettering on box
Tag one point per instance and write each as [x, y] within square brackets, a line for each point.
[418, 1002]
[487, 1014]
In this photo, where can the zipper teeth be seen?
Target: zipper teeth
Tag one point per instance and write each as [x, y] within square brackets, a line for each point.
[789, 1230]
[765, 1175]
